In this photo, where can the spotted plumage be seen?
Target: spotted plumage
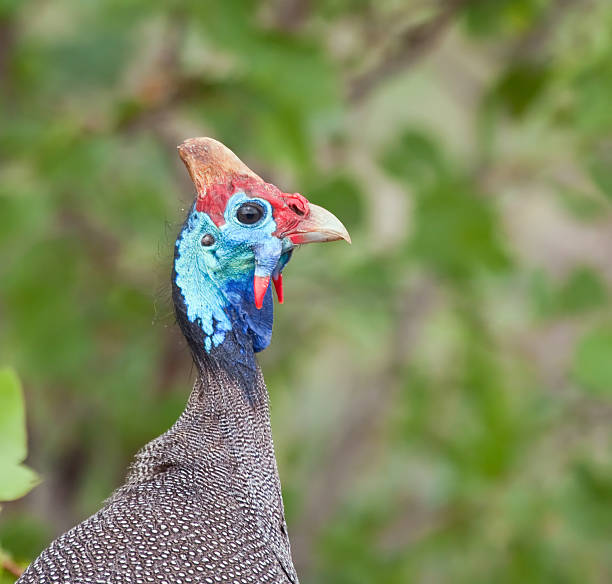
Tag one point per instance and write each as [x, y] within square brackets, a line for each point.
[202, 503]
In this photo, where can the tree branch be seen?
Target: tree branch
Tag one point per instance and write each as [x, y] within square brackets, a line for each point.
[10, 566]
[411, 45]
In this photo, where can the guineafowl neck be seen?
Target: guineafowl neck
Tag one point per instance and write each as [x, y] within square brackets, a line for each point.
[223, 439]
[219, 407]
[222, 402]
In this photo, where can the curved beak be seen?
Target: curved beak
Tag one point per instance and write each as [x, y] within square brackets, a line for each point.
[320, 225]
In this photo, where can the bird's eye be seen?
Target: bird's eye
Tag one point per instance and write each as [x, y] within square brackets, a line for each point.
[249, 213]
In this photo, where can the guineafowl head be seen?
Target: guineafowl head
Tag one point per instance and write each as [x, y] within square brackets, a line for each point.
[238, 236]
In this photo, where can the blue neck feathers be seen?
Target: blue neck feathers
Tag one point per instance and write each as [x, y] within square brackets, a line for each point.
[213, 290]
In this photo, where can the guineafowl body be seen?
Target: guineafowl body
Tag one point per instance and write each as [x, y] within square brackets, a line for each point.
[202, 503]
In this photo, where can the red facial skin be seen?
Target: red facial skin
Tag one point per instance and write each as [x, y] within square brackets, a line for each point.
[288, 209]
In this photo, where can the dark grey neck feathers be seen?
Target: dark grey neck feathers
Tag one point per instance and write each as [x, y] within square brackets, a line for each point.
[235, 356]
[201, 504]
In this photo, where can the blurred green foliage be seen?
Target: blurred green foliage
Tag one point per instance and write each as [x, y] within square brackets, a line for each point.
[16, 480]
[441, 389]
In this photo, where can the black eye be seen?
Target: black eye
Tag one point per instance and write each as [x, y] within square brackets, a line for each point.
[249, 213]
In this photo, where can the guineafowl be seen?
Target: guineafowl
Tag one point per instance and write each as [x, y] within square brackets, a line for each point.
[202, 503]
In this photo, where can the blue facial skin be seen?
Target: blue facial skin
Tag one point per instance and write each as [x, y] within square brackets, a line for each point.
[216, 281]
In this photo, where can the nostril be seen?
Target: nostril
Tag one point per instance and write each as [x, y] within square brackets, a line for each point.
[297, 209]
[208, 240]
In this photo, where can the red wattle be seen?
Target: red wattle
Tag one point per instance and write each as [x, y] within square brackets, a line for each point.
[260, 285]
[278, 286]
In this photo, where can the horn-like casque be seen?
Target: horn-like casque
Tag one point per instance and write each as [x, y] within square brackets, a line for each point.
[209, 162]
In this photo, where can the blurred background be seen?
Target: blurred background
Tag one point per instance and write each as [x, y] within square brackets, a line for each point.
[441, 389]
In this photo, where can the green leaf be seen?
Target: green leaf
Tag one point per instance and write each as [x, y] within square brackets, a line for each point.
[520, 86]
[600, 168]
[8, 8]
[15, 479]
[583, 290]
[456, 232]
[593, 360]
[18, 481]
[592, 87]
[591, 488]
[12, 417]
[416, 159]
[488, 18]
